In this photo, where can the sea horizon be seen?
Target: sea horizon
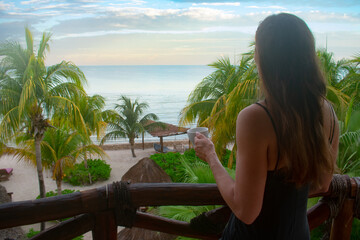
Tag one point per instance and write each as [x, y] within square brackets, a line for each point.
[164, 87]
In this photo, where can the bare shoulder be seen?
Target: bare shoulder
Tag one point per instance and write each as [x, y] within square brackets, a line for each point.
[253, 116]
[253, 122]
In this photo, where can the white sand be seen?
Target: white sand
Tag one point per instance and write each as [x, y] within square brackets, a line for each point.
[25, 186]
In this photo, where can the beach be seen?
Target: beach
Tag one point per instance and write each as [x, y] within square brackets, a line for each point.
[23, 183]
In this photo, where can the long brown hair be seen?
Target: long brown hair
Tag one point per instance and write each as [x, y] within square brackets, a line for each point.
[295, 90]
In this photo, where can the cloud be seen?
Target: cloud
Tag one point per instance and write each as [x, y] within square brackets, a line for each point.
[249, 30]
[235, 4]
[124, 21]
[140, 12]
[34, 2]
[271, 7]
[55, 6]
[330, 17]
[33, 14]
[309, 3]
[5, 6]
[207, 14]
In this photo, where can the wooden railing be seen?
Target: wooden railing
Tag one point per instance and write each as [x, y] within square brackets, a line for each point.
[101, 210]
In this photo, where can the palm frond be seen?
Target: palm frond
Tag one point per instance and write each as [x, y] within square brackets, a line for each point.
[44, 45]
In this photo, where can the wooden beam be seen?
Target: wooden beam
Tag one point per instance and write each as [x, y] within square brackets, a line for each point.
[164, 194]
[157, 223]
[95, 200]
[52, 208]
[68, 229]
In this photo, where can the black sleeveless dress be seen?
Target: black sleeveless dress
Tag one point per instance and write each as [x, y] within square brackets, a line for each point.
[283, 213]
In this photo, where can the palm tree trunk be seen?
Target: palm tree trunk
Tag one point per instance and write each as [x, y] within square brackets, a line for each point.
[132, 145]
[39, 167]
[40, 171]
[86, 166]
[58, 185]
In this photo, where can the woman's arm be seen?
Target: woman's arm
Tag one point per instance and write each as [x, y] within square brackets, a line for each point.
[244, 195]
[327, 176]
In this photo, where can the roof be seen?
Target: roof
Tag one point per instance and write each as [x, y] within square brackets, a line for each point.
[168, 130]
[146, 171]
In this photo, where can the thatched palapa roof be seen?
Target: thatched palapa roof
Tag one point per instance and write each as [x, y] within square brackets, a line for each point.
[146, 171]
[168, 130]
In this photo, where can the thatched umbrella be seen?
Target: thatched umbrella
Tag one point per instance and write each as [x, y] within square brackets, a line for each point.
[145, 171]
[166, 131]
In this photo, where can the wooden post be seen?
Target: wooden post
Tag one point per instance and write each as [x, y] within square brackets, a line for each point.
[342, 224]
[143, 141]
[105, 226]
[318, 214]
[161, 144]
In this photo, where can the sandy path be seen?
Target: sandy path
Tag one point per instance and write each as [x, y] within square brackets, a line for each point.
[24, 182]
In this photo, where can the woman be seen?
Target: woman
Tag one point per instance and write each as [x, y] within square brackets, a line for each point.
[286, 144]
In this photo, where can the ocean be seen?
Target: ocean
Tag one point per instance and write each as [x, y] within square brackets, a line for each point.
[164, 87]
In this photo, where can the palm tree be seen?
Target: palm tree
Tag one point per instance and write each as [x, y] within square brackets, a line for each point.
[209, 91]
[348, 159]
[93, 115]
[219, 97]
[335, 72]
[30, 92]
[129, 122]
[61, 149]
[95, 119]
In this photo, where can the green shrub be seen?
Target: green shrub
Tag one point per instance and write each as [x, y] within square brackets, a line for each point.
[31, 233]
[171, 162]
[98, 169]
[54, 193]
[355, 232]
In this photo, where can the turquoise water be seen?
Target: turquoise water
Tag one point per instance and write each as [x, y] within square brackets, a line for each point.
[164, 88]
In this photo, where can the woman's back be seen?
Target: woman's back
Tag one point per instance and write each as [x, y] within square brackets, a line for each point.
[283, 211]
[282, 216]
[284, 149]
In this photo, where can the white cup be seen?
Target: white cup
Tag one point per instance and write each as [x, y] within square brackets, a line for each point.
[192, 132]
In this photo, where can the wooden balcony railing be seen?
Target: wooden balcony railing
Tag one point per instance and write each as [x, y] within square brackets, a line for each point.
[101, 210]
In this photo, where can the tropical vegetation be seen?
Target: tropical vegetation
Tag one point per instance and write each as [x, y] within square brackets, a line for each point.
[217, 99]
[180, 167]
[188, 168]
[30, 92]
[130, 122]
[79, 174]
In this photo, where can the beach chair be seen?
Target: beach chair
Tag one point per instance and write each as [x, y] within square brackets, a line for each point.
[157, 148]
[5, 173]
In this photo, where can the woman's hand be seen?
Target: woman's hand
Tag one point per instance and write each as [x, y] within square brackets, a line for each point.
[204, 148]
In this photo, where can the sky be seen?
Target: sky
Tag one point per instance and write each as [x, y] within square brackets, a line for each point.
[160, 32]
